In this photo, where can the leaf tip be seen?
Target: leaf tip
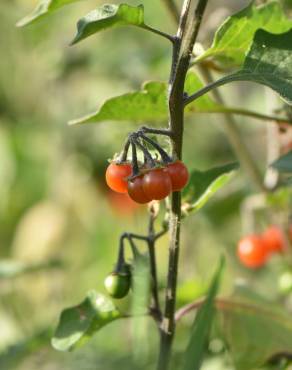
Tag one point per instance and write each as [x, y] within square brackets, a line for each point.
[75, 40]
[20, 23]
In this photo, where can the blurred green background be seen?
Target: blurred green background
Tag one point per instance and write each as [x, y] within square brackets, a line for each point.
[54, 204]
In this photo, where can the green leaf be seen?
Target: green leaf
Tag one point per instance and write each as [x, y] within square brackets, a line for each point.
[148, 104]
[204, 184]
[77, 324]
[255, 332]
[202, 324]
[107, 16]
[44, 7]
[269, 62]
[234, 37]
[284, 163]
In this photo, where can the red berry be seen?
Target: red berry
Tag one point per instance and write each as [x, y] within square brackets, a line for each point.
[274, 239]
[136, 192]
[251, 251]
[179, 175]
[157, 184]
[116, 176]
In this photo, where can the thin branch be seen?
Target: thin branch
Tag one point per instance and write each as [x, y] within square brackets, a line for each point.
[256, 115]
[234, 77]
[135, 236]
[226, 304]
[235, 138]
[155, 131]
[161, 233]
[160, 33]
[134, 159]
[132, 245]
[121, 255]
[165, 157]
[125, 151]
[188, 308]
[146, 153]
[211, 86]
[248, 113]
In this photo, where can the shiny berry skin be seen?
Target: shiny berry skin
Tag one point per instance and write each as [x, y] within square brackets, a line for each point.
[157, 184]
[116, 176]
[179, 175]
[136, 192]
[252, 252]
[274, 239]
[117, 284]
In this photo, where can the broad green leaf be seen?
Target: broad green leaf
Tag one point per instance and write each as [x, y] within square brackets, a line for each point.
[148, 104]
[284, 163]
[202, 324]
[204, 184]
[234, 37]
[44, 7]
[12, 268]
[108, 16]
[254, 331]
[269, 62]
[77, 324]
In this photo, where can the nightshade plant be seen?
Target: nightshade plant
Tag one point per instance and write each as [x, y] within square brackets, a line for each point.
[256, 45]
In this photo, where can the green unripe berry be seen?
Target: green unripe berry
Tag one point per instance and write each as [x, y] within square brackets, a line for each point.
[117, 284]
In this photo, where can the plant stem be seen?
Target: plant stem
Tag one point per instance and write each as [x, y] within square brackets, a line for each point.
[165, 157]
[160, 33]
[124, 154]
[134, 159]
[155, 307]
[189, 26]
[150, 130]
[146, 153]
[214, 84]
[256, 115]
[235, 138]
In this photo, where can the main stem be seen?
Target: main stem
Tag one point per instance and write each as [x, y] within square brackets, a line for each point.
[155, 306]
[189, 26]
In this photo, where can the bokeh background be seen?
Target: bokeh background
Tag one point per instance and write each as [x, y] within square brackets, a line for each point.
[56, 213]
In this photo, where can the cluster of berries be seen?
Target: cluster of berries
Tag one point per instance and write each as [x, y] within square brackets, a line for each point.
[154, 183]
[254, 250]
